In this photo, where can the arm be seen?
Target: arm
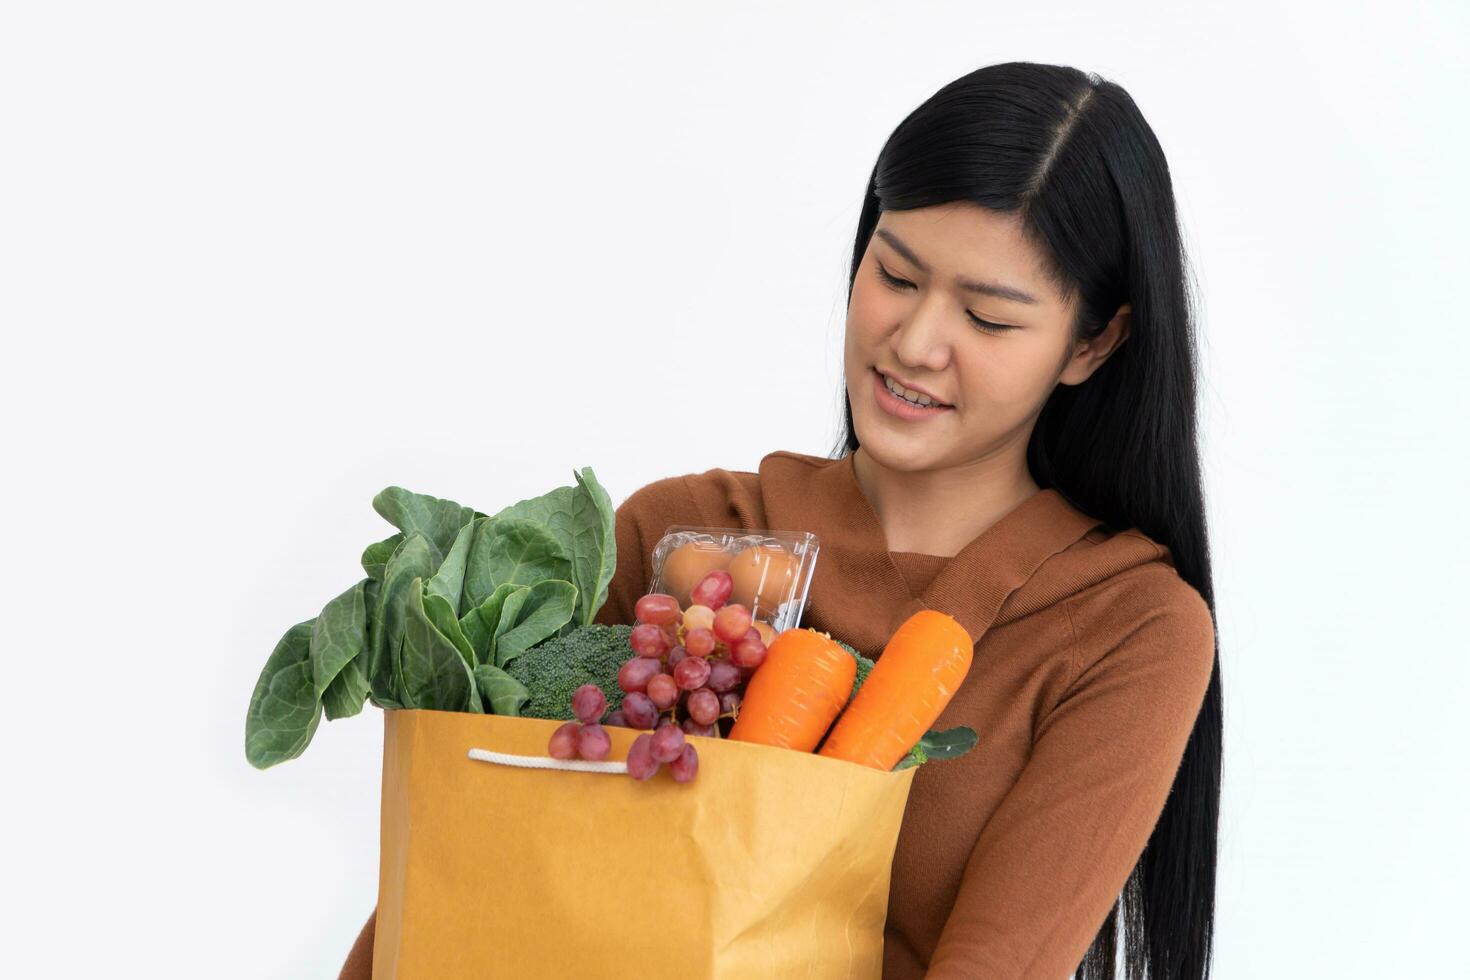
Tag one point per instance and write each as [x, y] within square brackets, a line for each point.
[639, 522]
[359, 965]
[1053, 858]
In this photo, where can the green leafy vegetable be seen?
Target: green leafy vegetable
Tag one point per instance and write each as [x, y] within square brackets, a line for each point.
[284, 710]
[948, 744]
[348, 692]
[512, 550]
[448, 581]
[435, 675]
[376, 555]
[450, 602]
[544, 609]
[437, 520]
[338, 641]
[581, 518]
[337, 636]
[503, 692]
[479, 624]
[413, 559]
[437, 608]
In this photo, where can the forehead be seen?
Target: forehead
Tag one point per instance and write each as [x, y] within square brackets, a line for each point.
[963, 241]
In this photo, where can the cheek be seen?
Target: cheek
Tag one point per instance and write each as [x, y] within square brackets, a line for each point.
[1006, 376]
[869, 316]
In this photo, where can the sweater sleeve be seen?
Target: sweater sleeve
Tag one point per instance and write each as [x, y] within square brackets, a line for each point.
[639, 522]
[1052, 860]
[359, 964]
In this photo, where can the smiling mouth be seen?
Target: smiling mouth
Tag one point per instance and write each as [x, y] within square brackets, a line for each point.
[908, 395]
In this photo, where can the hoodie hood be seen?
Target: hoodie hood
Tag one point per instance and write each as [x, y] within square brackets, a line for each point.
[1042, 552]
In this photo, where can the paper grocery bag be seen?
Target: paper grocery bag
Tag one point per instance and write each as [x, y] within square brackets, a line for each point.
[771, 863]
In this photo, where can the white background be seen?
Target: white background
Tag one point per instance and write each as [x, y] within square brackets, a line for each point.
[258, 261]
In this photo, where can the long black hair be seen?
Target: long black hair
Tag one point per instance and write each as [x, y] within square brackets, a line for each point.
[1071, 155]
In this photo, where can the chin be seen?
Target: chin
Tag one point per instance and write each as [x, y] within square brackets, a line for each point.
[894, 452]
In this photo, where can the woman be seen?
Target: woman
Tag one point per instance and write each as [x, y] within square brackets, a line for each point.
[1020, 452]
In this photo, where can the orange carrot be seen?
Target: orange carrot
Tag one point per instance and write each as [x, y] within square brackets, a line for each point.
[793, 696]
[919, 671]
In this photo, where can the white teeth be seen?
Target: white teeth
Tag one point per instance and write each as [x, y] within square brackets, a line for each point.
[906, 395]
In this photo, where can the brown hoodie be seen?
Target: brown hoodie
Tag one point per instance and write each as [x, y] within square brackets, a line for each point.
[1091, 661]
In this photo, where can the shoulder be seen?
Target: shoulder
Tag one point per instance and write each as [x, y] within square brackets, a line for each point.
[789, 458]
[720, 496]
[1142, 616]
[1127, 575]
[715, 496]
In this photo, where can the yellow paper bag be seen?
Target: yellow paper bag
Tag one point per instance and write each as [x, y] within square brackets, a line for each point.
[769, 864]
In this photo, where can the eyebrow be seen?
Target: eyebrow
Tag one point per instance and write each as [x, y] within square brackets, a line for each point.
[998, 290]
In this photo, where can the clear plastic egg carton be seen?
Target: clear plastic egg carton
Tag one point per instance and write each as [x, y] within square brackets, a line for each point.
[771, 570]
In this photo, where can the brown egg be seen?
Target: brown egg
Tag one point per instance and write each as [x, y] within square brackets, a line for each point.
[687, 564]
[763, 575]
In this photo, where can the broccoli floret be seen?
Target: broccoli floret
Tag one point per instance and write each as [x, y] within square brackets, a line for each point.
[554, 669]
[864, 667]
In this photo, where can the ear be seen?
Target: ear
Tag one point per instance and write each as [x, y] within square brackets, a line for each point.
[1089, 355]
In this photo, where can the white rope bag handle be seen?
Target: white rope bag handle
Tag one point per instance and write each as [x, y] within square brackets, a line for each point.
[546, 762]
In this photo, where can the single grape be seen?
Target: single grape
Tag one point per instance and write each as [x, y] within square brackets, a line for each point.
[731, 622]
[692, 727]
[686, 766]
[675, 655]
[723, 676]
[648, 640]
[640, 711]
[691, 673]
[766, 632]
[730, 703]
[658, 608]
[662, 691]
[749, 652]
[699, 642]
[698, 617]
[563, 743]
[634, 675]
[615, 719]
[704, 706]
[588, 703]
[641, 763]
[713, 590]
[667, 742]
[593, 742]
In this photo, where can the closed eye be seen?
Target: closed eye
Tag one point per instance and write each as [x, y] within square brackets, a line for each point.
[901, 285]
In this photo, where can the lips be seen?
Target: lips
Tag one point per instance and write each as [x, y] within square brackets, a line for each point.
[895, 407]
[911, 387]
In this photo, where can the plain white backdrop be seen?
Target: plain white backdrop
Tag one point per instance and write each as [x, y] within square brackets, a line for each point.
[258, 261]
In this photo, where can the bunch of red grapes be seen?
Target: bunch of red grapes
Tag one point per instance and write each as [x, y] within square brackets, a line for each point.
[685, 678]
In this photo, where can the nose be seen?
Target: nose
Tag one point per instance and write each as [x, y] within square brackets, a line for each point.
[922, 340]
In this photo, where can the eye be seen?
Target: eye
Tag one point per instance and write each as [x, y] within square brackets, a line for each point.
[900, 285]
[892, 280]
[987, 326]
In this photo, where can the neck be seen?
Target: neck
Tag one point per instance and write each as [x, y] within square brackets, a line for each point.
[938, 512]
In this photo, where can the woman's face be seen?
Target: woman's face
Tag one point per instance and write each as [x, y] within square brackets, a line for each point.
[959, 269]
